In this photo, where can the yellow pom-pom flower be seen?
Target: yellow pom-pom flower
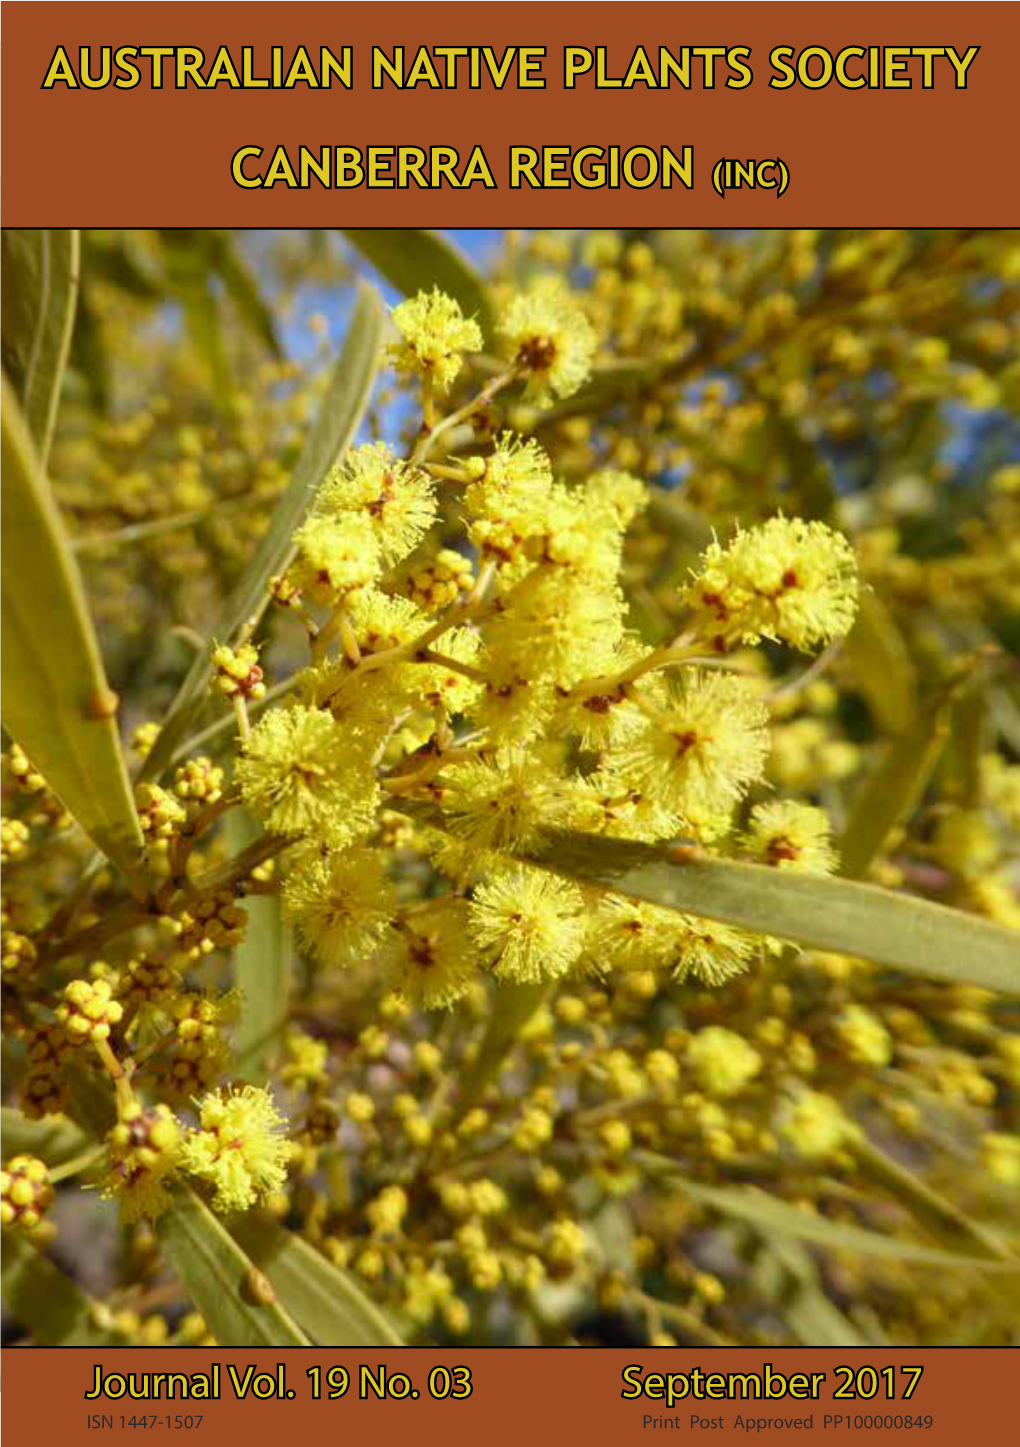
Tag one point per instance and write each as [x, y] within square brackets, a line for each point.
[398, 500]
[336, 555]
[511, 491]
[700, 755]
[434, 337]
[438, 960]
[791, 836]
[722, 1061]
[788, 580]
[238, 1147]
[341, 904]
[301, 773]
[550, 339]
[528, 925]
[814, 1125]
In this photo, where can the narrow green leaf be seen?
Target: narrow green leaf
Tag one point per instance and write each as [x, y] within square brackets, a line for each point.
[51, 1140]
[91, 1101]
[415, 261]
[225, 1285]
[335, 428]
[56, 701]
[882, 667]
[946, 1222]
[47, 1302]
[828, 914]
[202, 317]
[892, 791]
[331, 1308]
[262, 968]
[510, 1009]
[243, 289]
[968, 729]
[40, 273]
[812, 1317]
[768, 1214]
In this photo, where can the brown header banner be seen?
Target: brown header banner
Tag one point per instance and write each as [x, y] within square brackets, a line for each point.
[553, 114]
[454, 1396]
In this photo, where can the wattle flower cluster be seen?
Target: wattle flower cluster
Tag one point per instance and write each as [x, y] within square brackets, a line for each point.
[526, 705]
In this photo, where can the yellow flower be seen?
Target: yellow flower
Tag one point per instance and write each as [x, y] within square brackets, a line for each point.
[512, 489]
[438, 960]
[336, 555]
[722, 1061]
[88, 1011]
[863, 1036]
[434, 335]
[630, 935]
[700, 755]
[814, 1125]
[788, 580]
[238, 674]
[500, 803]
[302, 773]
[791, 836]
[341, 904]
[237, 1147]
[550, 339]
[528, 925]
[1000, 1155]
[397, 499]
[387, 1211]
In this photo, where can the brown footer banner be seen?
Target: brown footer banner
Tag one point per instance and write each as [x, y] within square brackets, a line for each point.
[935, 1397]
